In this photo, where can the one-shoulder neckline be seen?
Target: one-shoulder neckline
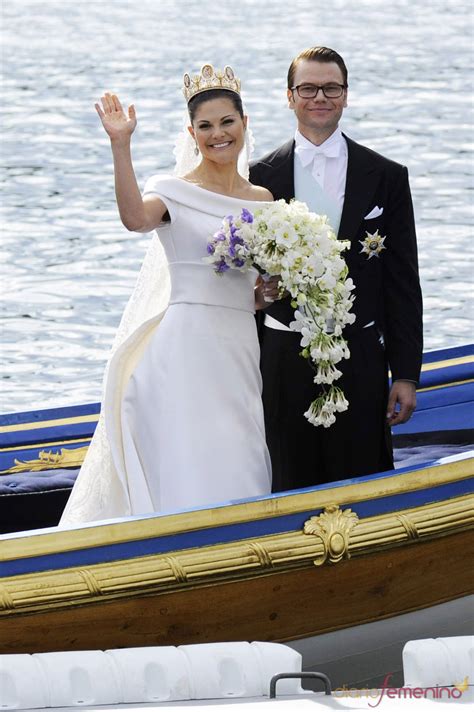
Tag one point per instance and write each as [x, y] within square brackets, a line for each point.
[222, 195]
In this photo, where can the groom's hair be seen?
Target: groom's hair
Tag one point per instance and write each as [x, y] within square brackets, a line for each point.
[317, 54]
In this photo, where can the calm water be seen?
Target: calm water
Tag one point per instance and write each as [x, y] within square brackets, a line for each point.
[70, 265]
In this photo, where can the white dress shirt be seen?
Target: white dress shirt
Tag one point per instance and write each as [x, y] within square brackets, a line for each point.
[329, 163]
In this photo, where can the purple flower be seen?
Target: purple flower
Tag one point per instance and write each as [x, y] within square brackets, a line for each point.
[233, 242]
[210, 248]
[246, 216]
[238, 262]
[221, 267]
[235, 239]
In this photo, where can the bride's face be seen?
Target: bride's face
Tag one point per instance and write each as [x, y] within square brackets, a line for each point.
[219, 130]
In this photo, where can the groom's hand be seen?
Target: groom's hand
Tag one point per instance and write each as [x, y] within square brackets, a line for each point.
[401, 402]
[266, 291]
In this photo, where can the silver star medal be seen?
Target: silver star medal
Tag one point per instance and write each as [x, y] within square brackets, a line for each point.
[373, 245]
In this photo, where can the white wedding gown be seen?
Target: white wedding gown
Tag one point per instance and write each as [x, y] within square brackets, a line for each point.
[182, 423]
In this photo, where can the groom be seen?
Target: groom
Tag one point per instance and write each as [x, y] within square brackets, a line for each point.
[367, 200]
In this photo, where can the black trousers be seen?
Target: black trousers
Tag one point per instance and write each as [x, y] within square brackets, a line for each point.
[359, 443]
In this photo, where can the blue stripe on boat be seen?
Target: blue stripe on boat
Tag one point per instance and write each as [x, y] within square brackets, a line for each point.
[448, 353]
[22, 438]
[34, 416]
[434, 413]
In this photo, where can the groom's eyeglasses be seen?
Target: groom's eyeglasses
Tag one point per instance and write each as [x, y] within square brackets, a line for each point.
[310, 91]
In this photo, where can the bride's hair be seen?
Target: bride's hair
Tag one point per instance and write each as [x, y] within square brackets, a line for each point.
[198, 99]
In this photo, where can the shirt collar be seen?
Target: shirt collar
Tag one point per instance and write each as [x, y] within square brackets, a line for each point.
[334, 143]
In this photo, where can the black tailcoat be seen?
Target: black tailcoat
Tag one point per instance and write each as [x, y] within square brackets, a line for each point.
[387, 293]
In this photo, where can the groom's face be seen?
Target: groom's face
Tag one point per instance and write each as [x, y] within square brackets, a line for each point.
[317, 118]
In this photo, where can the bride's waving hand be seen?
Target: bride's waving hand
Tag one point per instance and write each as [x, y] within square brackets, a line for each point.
[117, 124]
[137, 215]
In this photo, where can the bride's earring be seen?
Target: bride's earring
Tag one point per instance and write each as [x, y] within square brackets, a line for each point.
[196, 149]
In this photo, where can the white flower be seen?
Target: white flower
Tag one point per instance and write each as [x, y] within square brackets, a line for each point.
[319, 414]
[337, 399]
[327, 281]
[327, 373]
[301, 321]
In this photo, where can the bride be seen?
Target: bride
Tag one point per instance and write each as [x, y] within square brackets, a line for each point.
[182, 419]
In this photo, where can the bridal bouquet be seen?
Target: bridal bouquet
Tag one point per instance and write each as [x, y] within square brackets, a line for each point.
[288, 240]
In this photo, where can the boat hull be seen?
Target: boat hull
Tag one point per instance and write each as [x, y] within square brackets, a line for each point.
[279, 606]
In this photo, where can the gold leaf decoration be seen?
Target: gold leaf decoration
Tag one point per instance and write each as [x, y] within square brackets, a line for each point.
[333, 527]
[48, 460]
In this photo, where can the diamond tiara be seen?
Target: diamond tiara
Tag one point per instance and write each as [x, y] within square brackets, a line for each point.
[209, 78]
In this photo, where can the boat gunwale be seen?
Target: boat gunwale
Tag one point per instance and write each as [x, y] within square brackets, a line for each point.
[41, 543]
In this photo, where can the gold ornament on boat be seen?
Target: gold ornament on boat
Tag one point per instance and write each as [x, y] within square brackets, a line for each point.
[210, 78]
[372, 245]
[47, 460]
[333, 527]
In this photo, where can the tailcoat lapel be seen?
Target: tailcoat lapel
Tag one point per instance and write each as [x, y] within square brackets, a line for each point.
[361, 183]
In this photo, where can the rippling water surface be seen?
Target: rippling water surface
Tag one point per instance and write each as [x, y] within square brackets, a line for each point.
[70, 265]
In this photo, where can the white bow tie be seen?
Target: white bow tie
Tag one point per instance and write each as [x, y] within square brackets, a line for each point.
[307, 154]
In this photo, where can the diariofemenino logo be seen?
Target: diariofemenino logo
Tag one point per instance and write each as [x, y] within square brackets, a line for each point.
[403, 693]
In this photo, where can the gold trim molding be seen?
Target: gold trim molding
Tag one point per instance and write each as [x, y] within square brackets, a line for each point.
[183, 569]
[53, 423]
[445, 385]
[436, 365]
[36, 446]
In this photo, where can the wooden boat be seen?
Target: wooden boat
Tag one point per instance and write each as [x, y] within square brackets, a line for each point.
[293, 566]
